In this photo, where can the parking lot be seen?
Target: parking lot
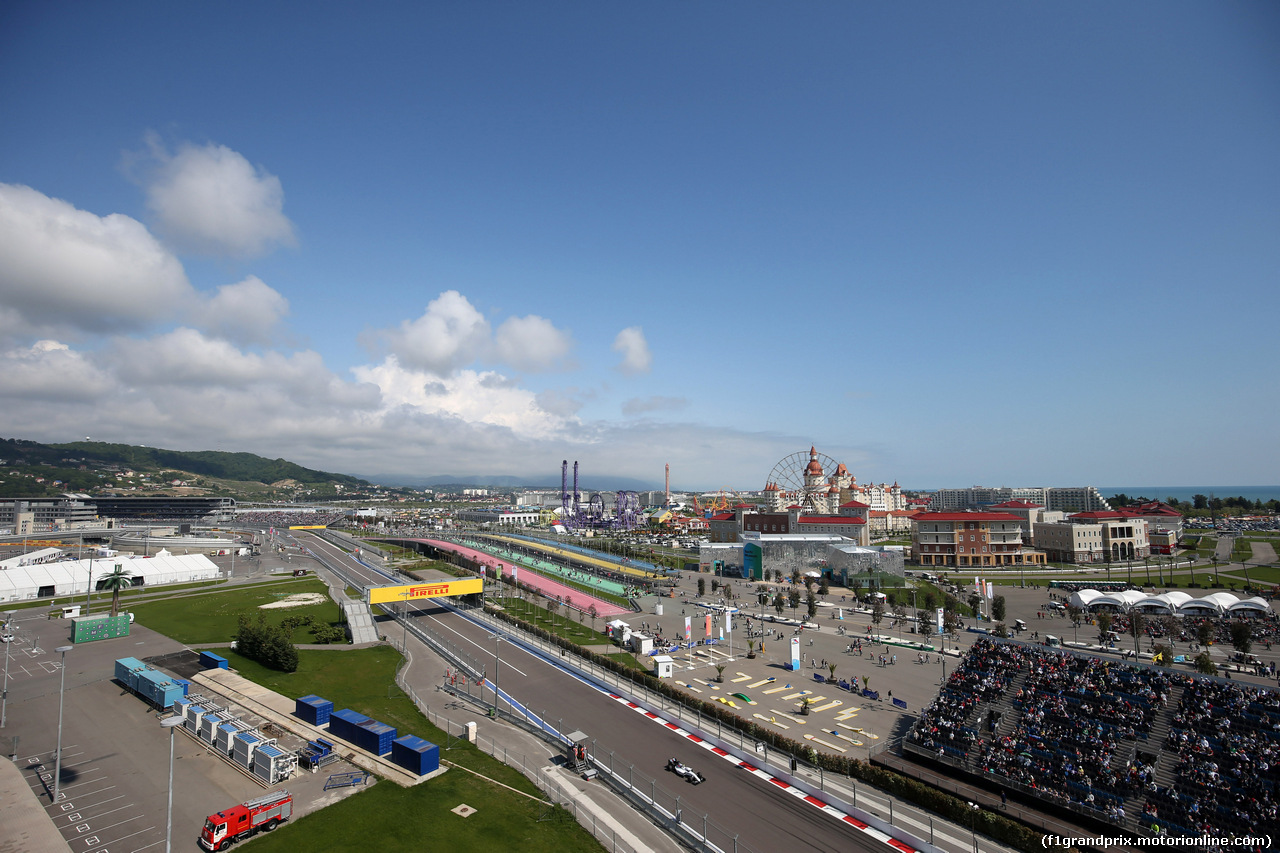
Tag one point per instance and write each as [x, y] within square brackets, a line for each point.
[115, 754]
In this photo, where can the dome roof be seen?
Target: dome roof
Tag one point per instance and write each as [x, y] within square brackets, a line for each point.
[814, 468]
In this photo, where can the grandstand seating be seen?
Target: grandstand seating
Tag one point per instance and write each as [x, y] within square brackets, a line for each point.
[1142, 747]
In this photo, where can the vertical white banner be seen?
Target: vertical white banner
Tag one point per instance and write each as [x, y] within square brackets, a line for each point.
[688, 628]
[991, 590]
[728, 621]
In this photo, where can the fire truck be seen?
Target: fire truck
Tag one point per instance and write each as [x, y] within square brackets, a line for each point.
[239, 822]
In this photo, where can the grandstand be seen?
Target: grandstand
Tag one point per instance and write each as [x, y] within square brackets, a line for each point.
[1142, 748]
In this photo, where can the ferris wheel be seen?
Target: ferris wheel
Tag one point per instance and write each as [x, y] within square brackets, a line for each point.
[788, 474]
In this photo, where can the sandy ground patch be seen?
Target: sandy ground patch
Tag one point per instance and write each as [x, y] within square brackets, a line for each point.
[301, 599]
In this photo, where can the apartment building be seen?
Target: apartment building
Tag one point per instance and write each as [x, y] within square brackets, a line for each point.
[963, 539]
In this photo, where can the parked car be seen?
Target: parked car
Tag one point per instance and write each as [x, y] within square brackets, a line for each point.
[685, 772]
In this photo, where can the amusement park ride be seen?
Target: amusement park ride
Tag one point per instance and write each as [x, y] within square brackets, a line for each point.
[578, 516]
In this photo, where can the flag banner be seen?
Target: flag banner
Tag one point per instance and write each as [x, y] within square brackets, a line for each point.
[688, 628]
[708, 624]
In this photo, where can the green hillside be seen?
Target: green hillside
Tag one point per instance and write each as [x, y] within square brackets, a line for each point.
[28, 468]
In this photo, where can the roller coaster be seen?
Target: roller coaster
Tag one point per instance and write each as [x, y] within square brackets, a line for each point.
[579, 516]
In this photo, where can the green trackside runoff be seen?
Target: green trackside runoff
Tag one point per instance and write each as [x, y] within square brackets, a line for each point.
[396, 819]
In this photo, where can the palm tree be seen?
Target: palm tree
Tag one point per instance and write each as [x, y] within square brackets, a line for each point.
[831, 667]
[119, 578]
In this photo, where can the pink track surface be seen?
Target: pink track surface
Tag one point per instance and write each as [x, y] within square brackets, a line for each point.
[575, 598]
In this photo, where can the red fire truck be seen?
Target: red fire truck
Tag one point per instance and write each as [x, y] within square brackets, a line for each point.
[239, 822]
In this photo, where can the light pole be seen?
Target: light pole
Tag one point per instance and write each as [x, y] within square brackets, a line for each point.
[4, 702]
[88, 588]
[62, 689]
[170, 723]
[497, 638]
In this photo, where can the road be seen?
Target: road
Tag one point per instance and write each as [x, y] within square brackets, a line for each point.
[763, 817]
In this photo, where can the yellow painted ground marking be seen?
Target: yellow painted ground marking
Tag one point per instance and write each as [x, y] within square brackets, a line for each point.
[765, 681]
[742, 677]
[827, 706]
[824, 743]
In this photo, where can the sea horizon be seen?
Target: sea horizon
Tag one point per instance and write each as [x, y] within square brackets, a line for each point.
[1186, 493]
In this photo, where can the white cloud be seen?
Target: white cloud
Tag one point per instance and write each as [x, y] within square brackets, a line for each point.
[466, 395]
[641, 405]
[531, 343]
[244, 312]
[636, 357]
[61, 267]
[210, 200]
[50, 371]
[450, 334]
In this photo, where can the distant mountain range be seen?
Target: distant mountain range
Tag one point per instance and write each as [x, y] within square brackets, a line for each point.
[448, 482]
[78, 466]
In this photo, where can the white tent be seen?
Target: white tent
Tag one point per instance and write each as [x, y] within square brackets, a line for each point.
[1168, 602]
[1083, 598]
[71, 577]
[1121, 601]
[1256, 604]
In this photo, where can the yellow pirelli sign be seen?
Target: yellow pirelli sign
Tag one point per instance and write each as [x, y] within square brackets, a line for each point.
[431, 589]
[308, 526]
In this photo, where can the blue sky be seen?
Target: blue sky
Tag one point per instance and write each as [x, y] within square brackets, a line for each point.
[948, 244]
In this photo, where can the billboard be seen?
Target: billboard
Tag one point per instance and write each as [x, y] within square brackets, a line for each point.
[424, 590]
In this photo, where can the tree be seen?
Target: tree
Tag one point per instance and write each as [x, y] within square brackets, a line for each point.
[793, 598]
[1199, 502]
[1241, 636]
[1204, 664]
[779, 602]
[751, 648]
[831, 668]
[824, 588]
[594, 613]
[117, 579]
[720, 673]
[702, 587]
[877, 612]
[1000, 630]
[1137, 624]
[1204, 633]
[269, 645]
[1104, 624]
[1162, 655]
[811, 605]
[998, 608]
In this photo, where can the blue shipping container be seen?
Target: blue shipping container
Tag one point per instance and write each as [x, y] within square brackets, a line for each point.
[211, 661]
[375, 737]
[314, 710]
[126, 671]
[416, 755]
[346, 723]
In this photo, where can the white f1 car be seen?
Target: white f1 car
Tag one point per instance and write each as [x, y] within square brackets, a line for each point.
[685, 772]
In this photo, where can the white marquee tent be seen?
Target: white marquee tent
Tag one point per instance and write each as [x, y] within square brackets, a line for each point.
[71, 577]
[1175, 601]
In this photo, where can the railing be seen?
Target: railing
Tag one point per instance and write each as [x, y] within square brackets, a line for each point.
[639, 789]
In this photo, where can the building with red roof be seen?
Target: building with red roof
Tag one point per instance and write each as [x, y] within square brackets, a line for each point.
[970, 539]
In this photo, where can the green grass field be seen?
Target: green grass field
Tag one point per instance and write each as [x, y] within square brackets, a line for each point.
[212, 618]
[559, 624]
[389, 818]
